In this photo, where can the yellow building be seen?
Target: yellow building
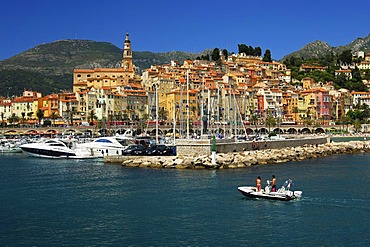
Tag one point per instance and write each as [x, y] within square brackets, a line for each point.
[84, 79]
[49, 105]
[23, 108]
[178, 106]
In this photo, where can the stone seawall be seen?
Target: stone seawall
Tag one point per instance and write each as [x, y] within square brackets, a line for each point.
[242, 159]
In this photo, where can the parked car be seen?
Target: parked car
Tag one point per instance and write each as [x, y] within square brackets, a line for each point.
[159, 149]
[135, 149]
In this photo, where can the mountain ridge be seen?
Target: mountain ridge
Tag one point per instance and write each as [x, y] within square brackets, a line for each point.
[318, 48]
[52, 64]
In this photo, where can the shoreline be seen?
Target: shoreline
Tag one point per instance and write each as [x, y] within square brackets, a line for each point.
[242, 159]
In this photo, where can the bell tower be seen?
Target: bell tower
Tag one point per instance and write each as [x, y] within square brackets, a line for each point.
[127, 55]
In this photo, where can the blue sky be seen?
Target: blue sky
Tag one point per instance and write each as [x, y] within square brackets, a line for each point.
[163, 25]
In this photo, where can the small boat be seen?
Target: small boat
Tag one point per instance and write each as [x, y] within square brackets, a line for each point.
[282, 194]
[54, 148]
[7, 146]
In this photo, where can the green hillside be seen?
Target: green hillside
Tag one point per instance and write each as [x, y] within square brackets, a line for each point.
[48, 68]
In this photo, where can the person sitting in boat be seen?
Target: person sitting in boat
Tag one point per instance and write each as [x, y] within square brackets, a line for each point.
[273, 182]
[258, 182]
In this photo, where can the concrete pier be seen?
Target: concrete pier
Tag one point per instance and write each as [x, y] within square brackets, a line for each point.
[203, 146]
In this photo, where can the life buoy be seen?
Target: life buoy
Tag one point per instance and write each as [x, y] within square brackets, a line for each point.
[255, 145]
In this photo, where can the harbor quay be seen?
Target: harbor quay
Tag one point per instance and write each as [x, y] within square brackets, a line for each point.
[274, 152]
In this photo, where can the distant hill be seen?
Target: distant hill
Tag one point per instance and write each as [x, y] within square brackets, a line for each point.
[49, 67]
[318, 49]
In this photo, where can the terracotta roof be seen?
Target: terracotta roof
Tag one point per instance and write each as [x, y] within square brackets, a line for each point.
[23, 99]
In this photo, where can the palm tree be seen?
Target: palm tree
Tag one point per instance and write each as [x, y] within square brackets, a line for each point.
[254, 120]
[13, 118]
[2, 119]
[40, 115]
[193, 109]
[23, 116]
[29, 114]
[357, 125]
[270, 120]
[125, 115]
[143, 121]
[162, 114]
[345, 121]
[119, 116]
[53, 116]
[72, 113]
[91, 117]
[295, 110]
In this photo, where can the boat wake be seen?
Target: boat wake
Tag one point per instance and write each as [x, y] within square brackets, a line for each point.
[345, 203]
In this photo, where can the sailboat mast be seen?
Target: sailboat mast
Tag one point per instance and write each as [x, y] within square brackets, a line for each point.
[181, 112]
[202, 109]
[156, 113]
[174, 125]
[187, 105]
[235, 120]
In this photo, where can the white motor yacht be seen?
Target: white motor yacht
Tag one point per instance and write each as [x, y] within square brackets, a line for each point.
[54, 148]
[108, 146]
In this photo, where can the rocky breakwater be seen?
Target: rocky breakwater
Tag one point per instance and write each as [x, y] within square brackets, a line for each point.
[243, 159]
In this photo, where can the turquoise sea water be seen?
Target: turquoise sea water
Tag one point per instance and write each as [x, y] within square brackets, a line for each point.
[87, 203]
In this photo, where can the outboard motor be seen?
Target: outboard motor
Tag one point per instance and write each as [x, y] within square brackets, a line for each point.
[268, 187]
[297, 193]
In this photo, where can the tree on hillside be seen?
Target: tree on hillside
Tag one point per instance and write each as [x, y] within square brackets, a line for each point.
[340, 81]
[267, 56]
[366, 74]
[346, 57]
[293, 62]
[356, 75]
[257, 51]
[242, 48]
[225, 53]
[203, 57]
[215, 54]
